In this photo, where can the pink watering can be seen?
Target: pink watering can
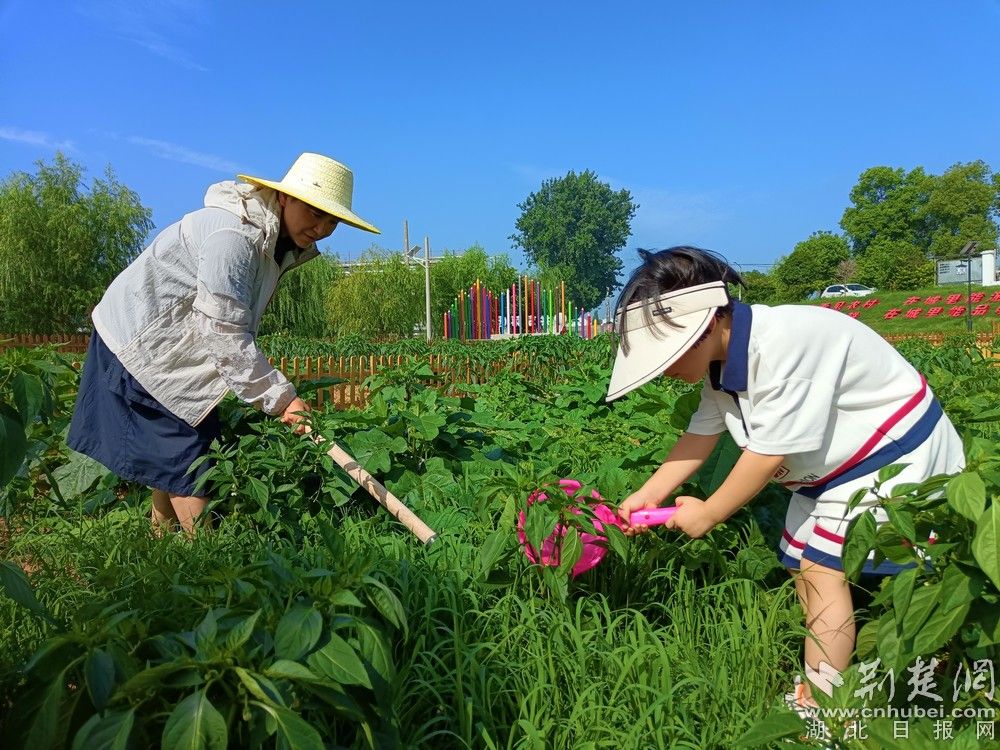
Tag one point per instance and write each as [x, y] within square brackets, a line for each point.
[595, 546]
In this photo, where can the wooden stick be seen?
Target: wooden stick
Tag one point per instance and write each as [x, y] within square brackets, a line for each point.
[386, 499]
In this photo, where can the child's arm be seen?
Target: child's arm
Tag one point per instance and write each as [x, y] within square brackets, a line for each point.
[684, 459]
[748, 477]
[752, 471]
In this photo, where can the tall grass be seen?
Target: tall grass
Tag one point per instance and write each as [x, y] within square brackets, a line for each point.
[486, 666]
[80, 563]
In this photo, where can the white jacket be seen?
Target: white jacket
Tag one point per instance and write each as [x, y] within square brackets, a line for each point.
[182, 316]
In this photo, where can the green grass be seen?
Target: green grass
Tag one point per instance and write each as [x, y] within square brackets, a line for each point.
[507, 667]
[943, 323]
[669, 643]
[480, 665]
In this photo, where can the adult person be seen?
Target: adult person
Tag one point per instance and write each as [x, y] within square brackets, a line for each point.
[175, 331]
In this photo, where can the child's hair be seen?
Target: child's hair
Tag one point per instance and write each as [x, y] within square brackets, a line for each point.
[668, 270]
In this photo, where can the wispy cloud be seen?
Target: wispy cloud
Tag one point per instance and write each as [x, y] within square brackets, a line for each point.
[34, 138]
[534, 174]
[175, 152]
[663, 215]
[675, 214]
[158, 26]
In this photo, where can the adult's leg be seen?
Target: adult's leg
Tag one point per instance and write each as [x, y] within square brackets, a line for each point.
[186, 509]
[162, 516]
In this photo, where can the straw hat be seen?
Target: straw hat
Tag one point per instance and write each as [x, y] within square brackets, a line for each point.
[660, 334]
[322, 183]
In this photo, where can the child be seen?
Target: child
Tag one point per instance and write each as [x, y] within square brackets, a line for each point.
[176, 329]
[816, 400]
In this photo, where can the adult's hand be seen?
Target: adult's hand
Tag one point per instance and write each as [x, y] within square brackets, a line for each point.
[296, 415]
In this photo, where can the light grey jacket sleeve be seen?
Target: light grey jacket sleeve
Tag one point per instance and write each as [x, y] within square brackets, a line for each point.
[227, 265]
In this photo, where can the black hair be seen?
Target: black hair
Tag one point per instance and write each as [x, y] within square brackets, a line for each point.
[668, 270]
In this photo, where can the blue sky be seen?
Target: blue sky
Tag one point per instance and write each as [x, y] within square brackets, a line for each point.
[738, 126]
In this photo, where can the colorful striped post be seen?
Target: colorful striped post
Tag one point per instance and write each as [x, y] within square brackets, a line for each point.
[529, 315]
[524, 308]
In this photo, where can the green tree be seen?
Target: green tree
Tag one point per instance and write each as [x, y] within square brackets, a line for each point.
[810, 266]
[762, 288]
[382, 296]
[888, 205]
[963, 205]
[895, 265]
[579, 223]
[299, 305]
[61, 244]
[456, 271]
[551, 277]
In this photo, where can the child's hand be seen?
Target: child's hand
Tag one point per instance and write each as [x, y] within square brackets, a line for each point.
[693, 517]
[635, 501]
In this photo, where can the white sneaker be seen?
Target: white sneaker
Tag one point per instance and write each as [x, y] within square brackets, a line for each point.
[799, 702]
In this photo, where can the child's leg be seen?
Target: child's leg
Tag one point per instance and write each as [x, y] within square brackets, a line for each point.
[825, 596]
[829, 615]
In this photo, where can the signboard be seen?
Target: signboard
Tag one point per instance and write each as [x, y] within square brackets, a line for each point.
[957, 271]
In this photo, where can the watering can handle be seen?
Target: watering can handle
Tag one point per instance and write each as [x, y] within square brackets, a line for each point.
[651, 516]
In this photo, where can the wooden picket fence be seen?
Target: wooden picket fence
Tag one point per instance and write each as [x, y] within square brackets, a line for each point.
[450, 373]
[71, 343]
[984, 341]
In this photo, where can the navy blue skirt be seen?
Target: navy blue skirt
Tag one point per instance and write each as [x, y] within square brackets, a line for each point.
[118, 423]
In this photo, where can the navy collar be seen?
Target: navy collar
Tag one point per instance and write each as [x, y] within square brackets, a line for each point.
[733, 378]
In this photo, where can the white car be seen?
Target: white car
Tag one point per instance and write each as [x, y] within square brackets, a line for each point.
[847, 290]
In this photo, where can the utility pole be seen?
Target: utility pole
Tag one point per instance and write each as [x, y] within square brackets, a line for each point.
[410, 254]
[967, 251]
[427, 282]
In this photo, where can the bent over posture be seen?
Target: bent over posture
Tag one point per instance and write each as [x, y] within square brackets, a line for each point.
[175, 331]
[816, 400]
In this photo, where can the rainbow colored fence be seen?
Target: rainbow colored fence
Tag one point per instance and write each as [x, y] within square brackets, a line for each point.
[526, 308]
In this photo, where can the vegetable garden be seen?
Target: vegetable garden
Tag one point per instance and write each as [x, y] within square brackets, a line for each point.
[306, 617]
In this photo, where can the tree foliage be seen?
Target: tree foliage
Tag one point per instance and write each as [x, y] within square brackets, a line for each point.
[887, 205]
[299, 305]
[61, 244]
[894, 265]
[898, 223]
[963, 205]
[578, 223]
[762, 288]
[932, 214]
[460, 271]
[811, 265]
[382, 296]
